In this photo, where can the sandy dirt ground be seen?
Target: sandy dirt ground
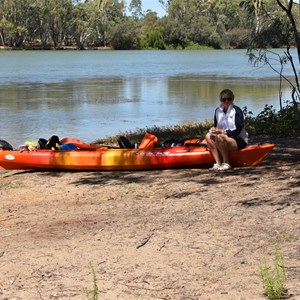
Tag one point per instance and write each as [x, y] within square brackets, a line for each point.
[171, 234]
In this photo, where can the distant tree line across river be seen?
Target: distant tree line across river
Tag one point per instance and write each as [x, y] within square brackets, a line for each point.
[188, 24]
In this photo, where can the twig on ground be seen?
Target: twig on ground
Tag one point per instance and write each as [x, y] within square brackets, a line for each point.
[237, 253]
[145, 241]
[163, 245]
[40, 295]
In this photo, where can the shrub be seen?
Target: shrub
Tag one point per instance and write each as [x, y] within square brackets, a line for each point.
[274, 280]
[282, 123]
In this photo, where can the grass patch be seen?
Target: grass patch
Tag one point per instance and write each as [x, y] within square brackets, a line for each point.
[94, 293]
[189, 131]
[274, 279]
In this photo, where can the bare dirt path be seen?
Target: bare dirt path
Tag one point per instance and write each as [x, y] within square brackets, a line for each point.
[172, 234]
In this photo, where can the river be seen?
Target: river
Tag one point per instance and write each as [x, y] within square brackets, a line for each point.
[94, 94]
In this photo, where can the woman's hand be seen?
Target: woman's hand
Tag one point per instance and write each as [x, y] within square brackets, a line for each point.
[216, 131]
[212, 130]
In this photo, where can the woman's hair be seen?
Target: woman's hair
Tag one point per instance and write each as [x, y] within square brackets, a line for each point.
[227, 91]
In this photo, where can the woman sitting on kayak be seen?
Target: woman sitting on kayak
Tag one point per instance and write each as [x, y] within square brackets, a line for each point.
[228, 132]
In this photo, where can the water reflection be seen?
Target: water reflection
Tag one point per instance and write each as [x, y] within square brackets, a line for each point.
[204, 92]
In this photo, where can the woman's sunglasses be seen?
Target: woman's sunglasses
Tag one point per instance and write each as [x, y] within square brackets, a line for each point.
[226, 99]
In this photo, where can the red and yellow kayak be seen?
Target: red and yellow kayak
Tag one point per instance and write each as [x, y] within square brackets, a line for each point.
[94, 158]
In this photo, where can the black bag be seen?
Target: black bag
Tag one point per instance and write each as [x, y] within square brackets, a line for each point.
[124, 143]
[53, 143]
[173, 142]
[42, 143]
[5, 145]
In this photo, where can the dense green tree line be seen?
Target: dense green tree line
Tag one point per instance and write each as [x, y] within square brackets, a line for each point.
[123, 24]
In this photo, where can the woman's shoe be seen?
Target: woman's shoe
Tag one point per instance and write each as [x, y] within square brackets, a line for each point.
[216, 167]
[225, 167]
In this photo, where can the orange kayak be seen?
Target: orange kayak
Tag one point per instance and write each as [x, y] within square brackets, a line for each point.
[103, 158]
